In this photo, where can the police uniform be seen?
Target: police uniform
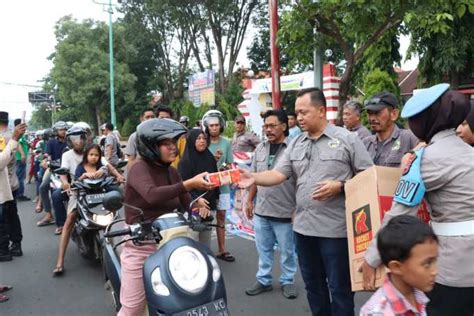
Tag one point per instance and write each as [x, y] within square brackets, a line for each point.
[246, 142]
[445, 171]
[272, 223]
[320, 226]
[389, 153]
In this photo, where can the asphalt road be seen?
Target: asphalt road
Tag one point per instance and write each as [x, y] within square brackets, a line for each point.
[81, 290]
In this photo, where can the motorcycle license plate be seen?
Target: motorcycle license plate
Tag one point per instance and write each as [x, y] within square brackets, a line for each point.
[95, 198]
[215, 308]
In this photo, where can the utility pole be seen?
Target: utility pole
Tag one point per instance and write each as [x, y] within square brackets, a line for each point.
[275, 57]
[317, 63]
[109, 9]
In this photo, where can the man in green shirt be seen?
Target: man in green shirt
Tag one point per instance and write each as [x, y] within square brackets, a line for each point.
[21, 159]
[213, 125]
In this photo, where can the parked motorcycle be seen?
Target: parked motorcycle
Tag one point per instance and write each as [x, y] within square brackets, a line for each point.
[92, 217]
[182, 278]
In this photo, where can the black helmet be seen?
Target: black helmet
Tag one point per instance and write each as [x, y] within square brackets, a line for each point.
[184, 119]
[151, 132]
[59, 125]
[212, 114]
[74, 134]
[48, 134]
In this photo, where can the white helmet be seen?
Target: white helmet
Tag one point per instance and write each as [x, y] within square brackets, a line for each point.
[39, 133]
[86, 127]
[212, 114]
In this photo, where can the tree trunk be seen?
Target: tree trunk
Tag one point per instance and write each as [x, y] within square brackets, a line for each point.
[344, 87]
[97, 118]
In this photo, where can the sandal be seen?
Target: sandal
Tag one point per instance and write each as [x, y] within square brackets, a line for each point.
[226, 256]
[5, 288]
[38, 209]
[3, 298]
[58, 271]
[45, 222]
[58, 231]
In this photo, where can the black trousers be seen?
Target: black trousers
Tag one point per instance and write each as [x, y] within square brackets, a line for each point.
[12, 221]
[447, 300]
[4, 240]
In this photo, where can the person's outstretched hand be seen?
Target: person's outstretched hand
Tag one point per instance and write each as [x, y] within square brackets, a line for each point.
[246, 179]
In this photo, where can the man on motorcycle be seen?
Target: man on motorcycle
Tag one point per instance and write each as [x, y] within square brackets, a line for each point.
[54, 150]
[157, 189]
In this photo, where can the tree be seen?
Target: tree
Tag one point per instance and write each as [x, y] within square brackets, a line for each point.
[379, 81]
[354, 25]
[228, 21]
[41, 117]
[164, 26]
[81, 71]
[443, 37]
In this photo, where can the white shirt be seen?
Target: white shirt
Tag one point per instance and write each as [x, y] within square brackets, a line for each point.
[71, 160]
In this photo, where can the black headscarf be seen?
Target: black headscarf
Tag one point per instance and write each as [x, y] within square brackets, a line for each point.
[470, 117]
[194, 162]
[448, 111]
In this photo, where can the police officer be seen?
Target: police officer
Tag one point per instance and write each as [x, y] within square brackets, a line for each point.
[389, 143]
[321, 159]
[273, 211]
[466, 129]
[351, 117]
[243, 140]
[443, 173]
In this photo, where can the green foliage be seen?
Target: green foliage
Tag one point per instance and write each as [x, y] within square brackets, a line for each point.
[41, 117]
[81, 72]
[348, 27]
[230, 99]
[442, 36]
[129, 127]
[186, 107]
[378, 81]
[229, 129]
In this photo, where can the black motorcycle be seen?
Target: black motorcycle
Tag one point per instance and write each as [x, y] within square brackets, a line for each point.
[182, 278]
[92, 217]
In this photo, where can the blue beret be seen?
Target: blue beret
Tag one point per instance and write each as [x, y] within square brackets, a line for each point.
[423, 100]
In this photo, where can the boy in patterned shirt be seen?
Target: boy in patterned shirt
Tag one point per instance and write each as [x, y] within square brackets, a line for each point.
[409, 248]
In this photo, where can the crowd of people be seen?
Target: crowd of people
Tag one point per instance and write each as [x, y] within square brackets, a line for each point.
[295, 194]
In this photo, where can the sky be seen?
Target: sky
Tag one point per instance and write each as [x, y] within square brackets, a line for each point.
[27, 39]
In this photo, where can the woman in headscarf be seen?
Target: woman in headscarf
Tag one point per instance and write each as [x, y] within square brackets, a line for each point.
[466, 129]
[443, 171]
[198, 159]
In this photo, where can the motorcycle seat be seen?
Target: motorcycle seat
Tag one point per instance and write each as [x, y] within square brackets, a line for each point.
[116, 240]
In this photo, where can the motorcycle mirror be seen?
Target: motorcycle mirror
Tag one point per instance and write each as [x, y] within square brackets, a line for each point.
[62, 171]
[122, 164]
[112, 200]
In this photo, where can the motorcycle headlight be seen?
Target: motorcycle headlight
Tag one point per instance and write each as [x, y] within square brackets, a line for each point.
[158, 286]
[188, 268]
[216, 271]
[103, 220]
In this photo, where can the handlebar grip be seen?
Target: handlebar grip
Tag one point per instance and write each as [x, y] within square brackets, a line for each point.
[120, 232]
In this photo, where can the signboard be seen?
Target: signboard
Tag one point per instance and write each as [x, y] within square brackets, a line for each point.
[202, 88]
[292, 82]
[39, 97]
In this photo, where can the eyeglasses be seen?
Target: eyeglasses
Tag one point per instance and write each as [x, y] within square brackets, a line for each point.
[169, 144]
[239, 122]
[270, 126]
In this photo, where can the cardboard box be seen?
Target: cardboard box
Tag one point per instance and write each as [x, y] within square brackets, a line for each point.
[369, 196]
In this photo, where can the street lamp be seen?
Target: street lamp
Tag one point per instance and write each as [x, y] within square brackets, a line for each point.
[108, 8]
